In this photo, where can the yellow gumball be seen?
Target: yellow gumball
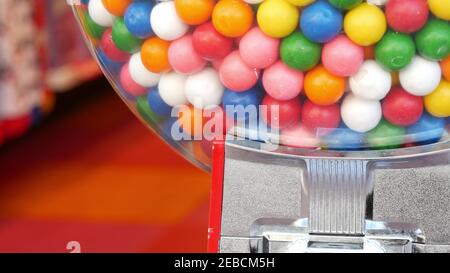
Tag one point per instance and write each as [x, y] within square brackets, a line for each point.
[440, 8]
[301, 3]
[365, 24]
[277, 18]
[438, 102]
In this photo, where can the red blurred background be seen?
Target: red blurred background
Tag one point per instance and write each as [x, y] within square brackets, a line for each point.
[73, 169]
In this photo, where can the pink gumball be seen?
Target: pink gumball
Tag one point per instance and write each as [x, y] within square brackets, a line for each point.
[183, 58]
[110, 49]
[342, 57]
[128, 84]
[300, 137]
[259, 50]
[236, 75]
[216, 64]
[282, 82]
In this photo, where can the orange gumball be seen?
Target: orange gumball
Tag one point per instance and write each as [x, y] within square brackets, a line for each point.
[395, 78]
[446, 68]
[117, 7]
[194, 12]
[155, 56]
[322, 87]
[232, 18]
[191, 120]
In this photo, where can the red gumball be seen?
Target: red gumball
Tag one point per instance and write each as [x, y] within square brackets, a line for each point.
[407, 15]
[321, 120]
[210, 44]
[401, 108]
[288, 113]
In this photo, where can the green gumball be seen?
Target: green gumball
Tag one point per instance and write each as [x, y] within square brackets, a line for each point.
[145, 111]
[345, 4]
[93, 30]
[123, 39]
[386, 136]
[433, 41]
[299, 52]
[395, 51]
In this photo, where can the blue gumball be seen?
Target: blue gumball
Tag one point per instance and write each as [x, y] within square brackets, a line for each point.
[321, 22]
[137, 19]
[236, 104]
[157, 104]
[113, 67]
[344, 138]
[427, 130]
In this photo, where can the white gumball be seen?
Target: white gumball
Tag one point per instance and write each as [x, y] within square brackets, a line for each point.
[421, 77]
[377, 2]
[171, 89]
[204, 89]
[359, 114]
[99, 14]
[371, 82]
[166, 23]
[140, 74]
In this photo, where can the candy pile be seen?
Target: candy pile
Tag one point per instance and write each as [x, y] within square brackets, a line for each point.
[346, 74]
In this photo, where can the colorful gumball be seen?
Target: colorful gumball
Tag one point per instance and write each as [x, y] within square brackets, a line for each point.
[194, 12]
[445, 66]
[94, 30]
[140, 74]
[128, 84]
[427, 129]
[345, 4]
[433, 41]
[183, 58]
[155, 55]
[240, 105]
[438, 102]
[421, 77]
[344, 138]
[110, 49]
[301, 3]
[210, 44]
[232, 18]
[236, 75]
[116, 7]
[282, 82]
[386, 136]
[144, 110]
[371, 82]
[299, 136]
[281, 114]
[157, 104]
[342, 57]
[440, 8]
[407, 16]
[277, 18]
[299, 52]
[401, 108]
[359, 114]
[365, 24]
[166, 23]
[321, 120]
[137, 19]
[123, 38]
[204, 89]
[321, 22]
[99, 14]
[259, 50]
[172, 89]
[395, 51]
[322, 87]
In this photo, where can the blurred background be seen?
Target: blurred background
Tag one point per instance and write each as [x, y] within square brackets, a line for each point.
[77, 169]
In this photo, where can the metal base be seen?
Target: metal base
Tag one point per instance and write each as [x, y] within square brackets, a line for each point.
[281, 202]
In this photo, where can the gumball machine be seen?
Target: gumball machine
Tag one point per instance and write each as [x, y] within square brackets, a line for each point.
[324, 123]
